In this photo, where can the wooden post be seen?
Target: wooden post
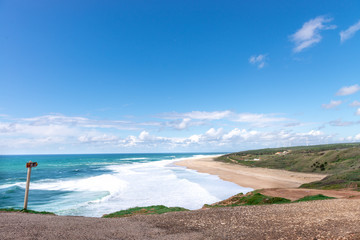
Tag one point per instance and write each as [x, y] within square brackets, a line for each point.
[29, 165]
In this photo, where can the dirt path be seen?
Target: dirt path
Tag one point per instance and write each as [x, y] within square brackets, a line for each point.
[296, 193]
[327, 219]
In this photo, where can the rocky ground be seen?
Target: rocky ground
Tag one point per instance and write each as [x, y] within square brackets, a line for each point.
[326, 219]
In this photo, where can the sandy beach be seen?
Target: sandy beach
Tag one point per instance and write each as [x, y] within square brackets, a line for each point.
[256, 178]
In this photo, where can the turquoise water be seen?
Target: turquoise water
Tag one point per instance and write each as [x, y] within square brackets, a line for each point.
[92, 185]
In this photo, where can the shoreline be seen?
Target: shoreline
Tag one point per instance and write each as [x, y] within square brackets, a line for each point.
[252, 177]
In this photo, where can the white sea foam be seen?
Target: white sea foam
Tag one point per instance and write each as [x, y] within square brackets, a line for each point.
[18, 184]
[135, 158]
[106, 182]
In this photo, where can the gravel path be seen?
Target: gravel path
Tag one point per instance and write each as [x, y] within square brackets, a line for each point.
[327, 219]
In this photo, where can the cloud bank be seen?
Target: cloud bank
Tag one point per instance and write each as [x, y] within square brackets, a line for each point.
[65, 134]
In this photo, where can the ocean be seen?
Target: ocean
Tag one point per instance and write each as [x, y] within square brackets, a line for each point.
[95, 184]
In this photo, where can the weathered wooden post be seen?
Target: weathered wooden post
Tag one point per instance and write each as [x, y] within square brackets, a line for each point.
[29, 165]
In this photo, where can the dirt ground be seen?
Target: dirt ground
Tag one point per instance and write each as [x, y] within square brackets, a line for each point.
[326, 219]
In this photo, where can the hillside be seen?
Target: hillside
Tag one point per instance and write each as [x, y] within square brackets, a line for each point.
[341, 162]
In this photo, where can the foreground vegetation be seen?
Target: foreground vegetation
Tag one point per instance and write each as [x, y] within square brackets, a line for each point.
[341, 162]
[25, 211]
[158, 209]
[251, 198]
[256, 198]
[313, 198]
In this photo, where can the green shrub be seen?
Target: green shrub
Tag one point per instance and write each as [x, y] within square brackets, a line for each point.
[313, 198]
[252, 198]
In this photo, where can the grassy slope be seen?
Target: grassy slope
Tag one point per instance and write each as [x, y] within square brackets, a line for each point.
[158, 209]
[251, 198]
[340, 161]
[255, 198]
[313, 198]
[25, 211]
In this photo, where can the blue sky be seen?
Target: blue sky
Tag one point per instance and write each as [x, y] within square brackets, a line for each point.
[177, 76]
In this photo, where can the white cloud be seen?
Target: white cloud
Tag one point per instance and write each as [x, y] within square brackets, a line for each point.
[348, 90]
[14, 129]
[28, 143]
[213, 133]
[144, 140]
[181, 124]
[309, 33]
[144, 135]
[239, 133]
[315, 133]
[357, 112]
[55, 119]
[258, 60]
[212, 136]
[184, 123]
[258, 120]
[199, 115]
[355, 104]
[352, 138]
[99, 139]
[51, 130]
[184, 120]
[241, 137]
[340, 123]
[77, 134]
[332, 104]
[350, 32]
[58, 119]
[214, 139]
